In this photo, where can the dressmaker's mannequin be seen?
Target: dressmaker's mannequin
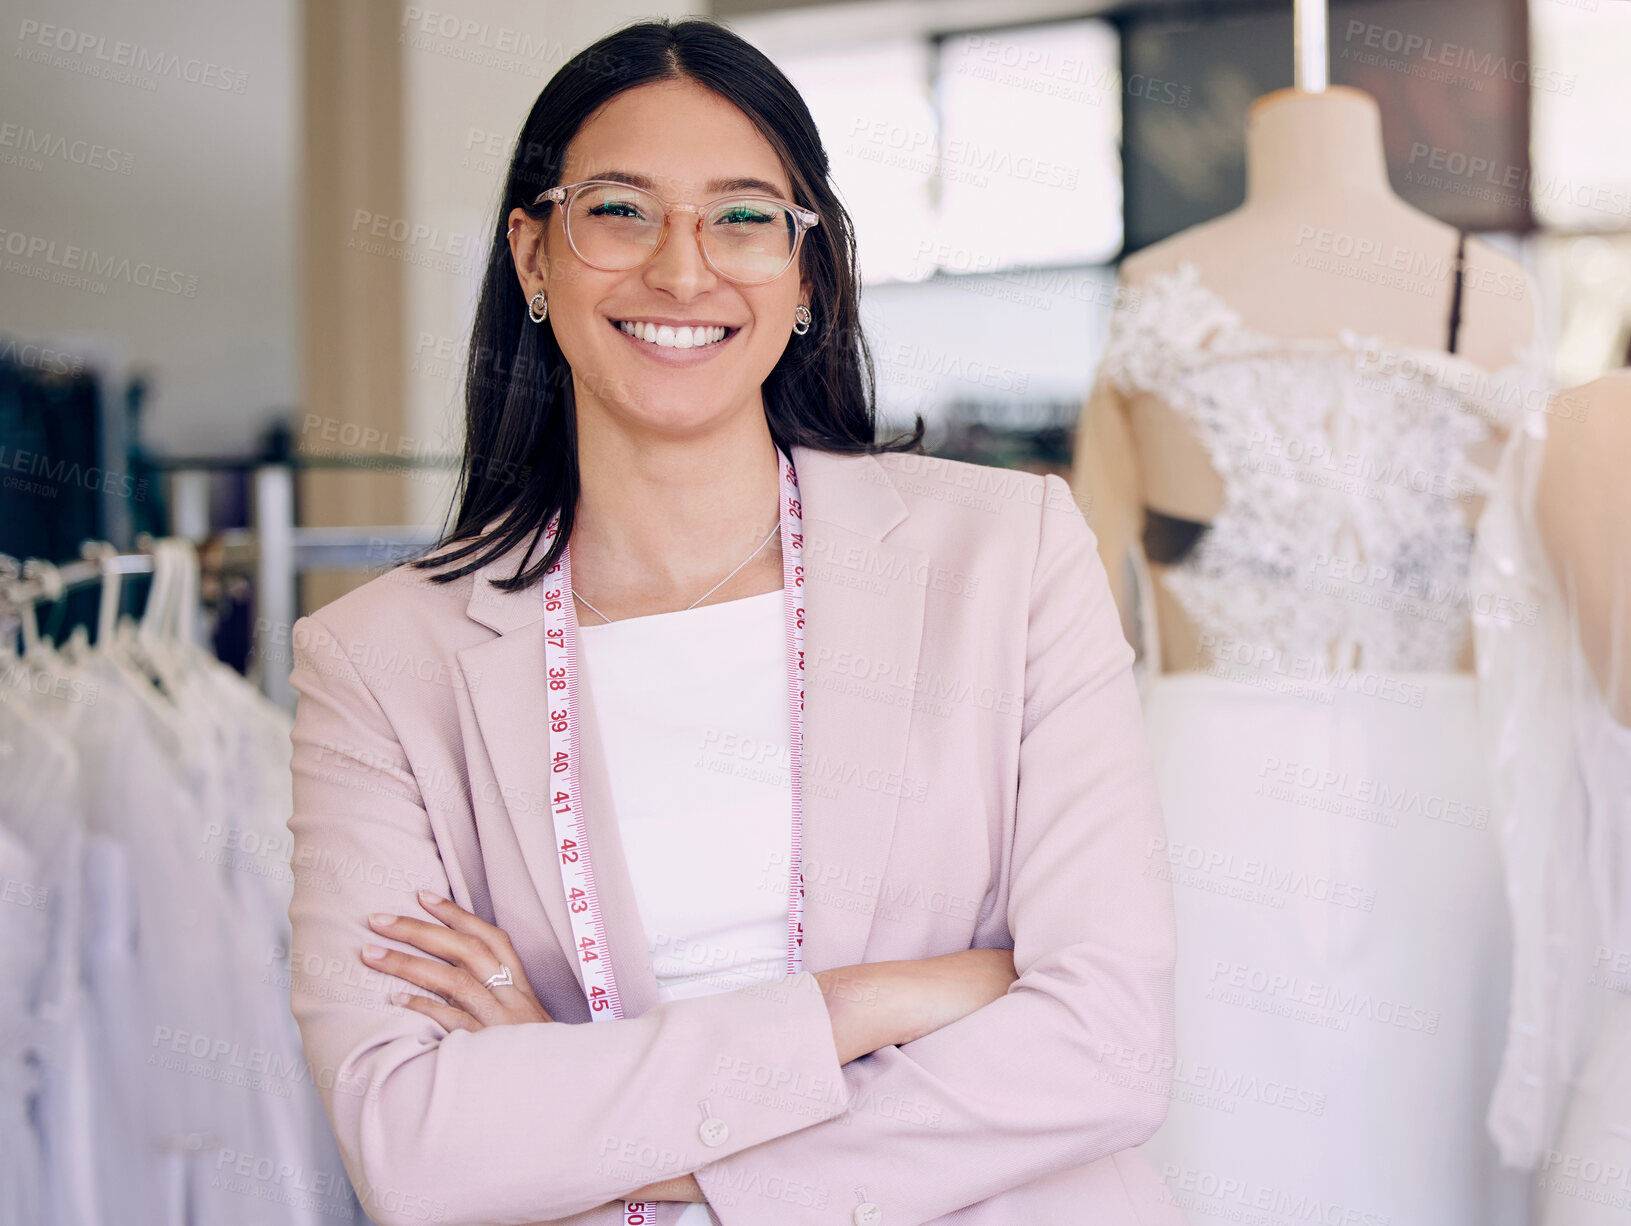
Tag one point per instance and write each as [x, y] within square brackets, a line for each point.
[1573, 960]
[1317, 187]
[1583, 506]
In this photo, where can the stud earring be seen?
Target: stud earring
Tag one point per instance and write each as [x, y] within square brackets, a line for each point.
[538, 308]
[801, 318]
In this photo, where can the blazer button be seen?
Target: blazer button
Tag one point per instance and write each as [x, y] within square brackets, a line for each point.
[867, 1214]
[714, 1131]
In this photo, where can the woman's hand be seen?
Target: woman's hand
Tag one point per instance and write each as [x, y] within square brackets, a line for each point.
[683, 1187]
[874, 1004]
[477, 950]
[472, 952]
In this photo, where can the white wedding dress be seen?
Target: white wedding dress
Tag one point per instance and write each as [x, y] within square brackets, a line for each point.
[1562, 772]
[1344, 949]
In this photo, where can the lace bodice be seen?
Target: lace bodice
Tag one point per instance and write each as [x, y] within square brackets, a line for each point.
[1345, 464]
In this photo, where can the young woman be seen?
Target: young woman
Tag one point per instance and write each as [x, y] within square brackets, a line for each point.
[810, 775]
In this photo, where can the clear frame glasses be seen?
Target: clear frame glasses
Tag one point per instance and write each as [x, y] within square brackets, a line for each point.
[749, 239]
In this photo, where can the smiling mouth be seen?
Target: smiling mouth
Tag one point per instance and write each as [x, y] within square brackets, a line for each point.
[665, 336]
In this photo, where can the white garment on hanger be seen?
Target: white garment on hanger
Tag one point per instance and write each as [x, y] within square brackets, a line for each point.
[171, 1087]
[40, 807]
[691, 708]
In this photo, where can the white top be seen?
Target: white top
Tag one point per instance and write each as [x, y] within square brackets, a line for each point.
[691, 708]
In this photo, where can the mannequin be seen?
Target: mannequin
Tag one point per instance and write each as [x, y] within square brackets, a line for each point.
[1583, 509]
[1312, 721]
[1316, 183]
[1583, 516]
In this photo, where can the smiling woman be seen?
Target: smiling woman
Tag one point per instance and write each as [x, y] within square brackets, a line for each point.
[675, 182]
[835, 906]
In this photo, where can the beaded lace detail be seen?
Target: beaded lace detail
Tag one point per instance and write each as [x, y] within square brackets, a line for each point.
[1345, 467]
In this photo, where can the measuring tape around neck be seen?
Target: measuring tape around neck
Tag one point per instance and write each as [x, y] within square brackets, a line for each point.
[571, 831]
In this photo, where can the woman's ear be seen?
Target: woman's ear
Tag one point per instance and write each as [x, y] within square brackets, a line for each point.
[528, 248]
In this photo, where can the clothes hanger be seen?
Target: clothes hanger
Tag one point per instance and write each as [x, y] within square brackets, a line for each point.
[10, 570]
[188, 595]
[133, 644]
[173, 644]
[39, 653]
[76, 647]
[150, 637]
[134, 659]
[27, 612]
[107, 609]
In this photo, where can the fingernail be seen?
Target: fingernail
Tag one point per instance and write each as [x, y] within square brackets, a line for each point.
[373, 951]
[429, 899]
[399, 998]
[380, 918]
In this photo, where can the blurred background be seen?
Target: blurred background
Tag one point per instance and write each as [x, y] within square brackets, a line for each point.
[238, 242]
[239, 252]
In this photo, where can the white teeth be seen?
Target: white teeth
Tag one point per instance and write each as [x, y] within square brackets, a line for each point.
[672, 338]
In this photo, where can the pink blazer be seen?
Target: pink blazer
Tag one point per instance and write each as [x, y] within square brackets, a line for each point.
[975, 774]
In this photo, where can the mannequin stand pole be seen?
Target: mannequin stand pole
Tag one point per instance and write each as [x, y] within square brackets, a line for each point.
[1312, 37]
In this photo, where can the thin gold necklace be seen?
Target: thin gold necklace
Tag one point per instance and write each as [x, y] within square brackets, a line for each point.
[704, 595]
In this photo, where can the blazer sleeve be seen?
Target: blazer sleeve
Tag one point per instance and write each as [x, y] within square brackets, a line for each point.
[510, 1124]
[1075, 1062]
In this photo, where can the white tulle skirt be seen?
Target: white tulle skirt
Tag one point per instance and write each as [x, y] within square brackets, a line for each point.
[1344, 951]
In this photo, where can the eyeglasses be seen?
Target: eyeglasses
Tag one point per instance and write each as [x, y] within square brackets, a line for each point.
[615, 227]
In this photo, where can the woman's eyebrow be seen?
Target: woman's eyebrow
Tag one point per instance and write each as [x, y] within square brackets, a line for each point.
[713, 185]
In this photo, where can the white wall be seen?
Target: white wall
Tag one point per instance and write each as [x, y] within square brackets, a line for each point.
[116, 139]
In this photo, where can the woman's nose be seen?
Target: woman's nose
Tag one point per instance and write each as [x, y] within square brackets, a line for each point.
[678, 265]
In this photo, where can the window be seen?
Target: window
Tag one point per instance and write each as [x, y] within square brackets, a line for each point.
[973, 152]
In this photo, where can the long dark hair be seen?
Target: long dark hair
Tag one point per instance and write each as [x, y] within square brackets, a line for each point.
[520, 447]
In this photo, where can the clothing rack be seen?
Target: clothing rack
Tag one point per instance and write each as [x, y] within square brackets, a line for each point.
[275, 552]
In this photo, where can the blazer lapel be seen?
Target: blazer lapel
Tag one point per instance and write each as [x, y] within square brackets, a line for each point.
[853, 636]
[510, 714]
[863, 631]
